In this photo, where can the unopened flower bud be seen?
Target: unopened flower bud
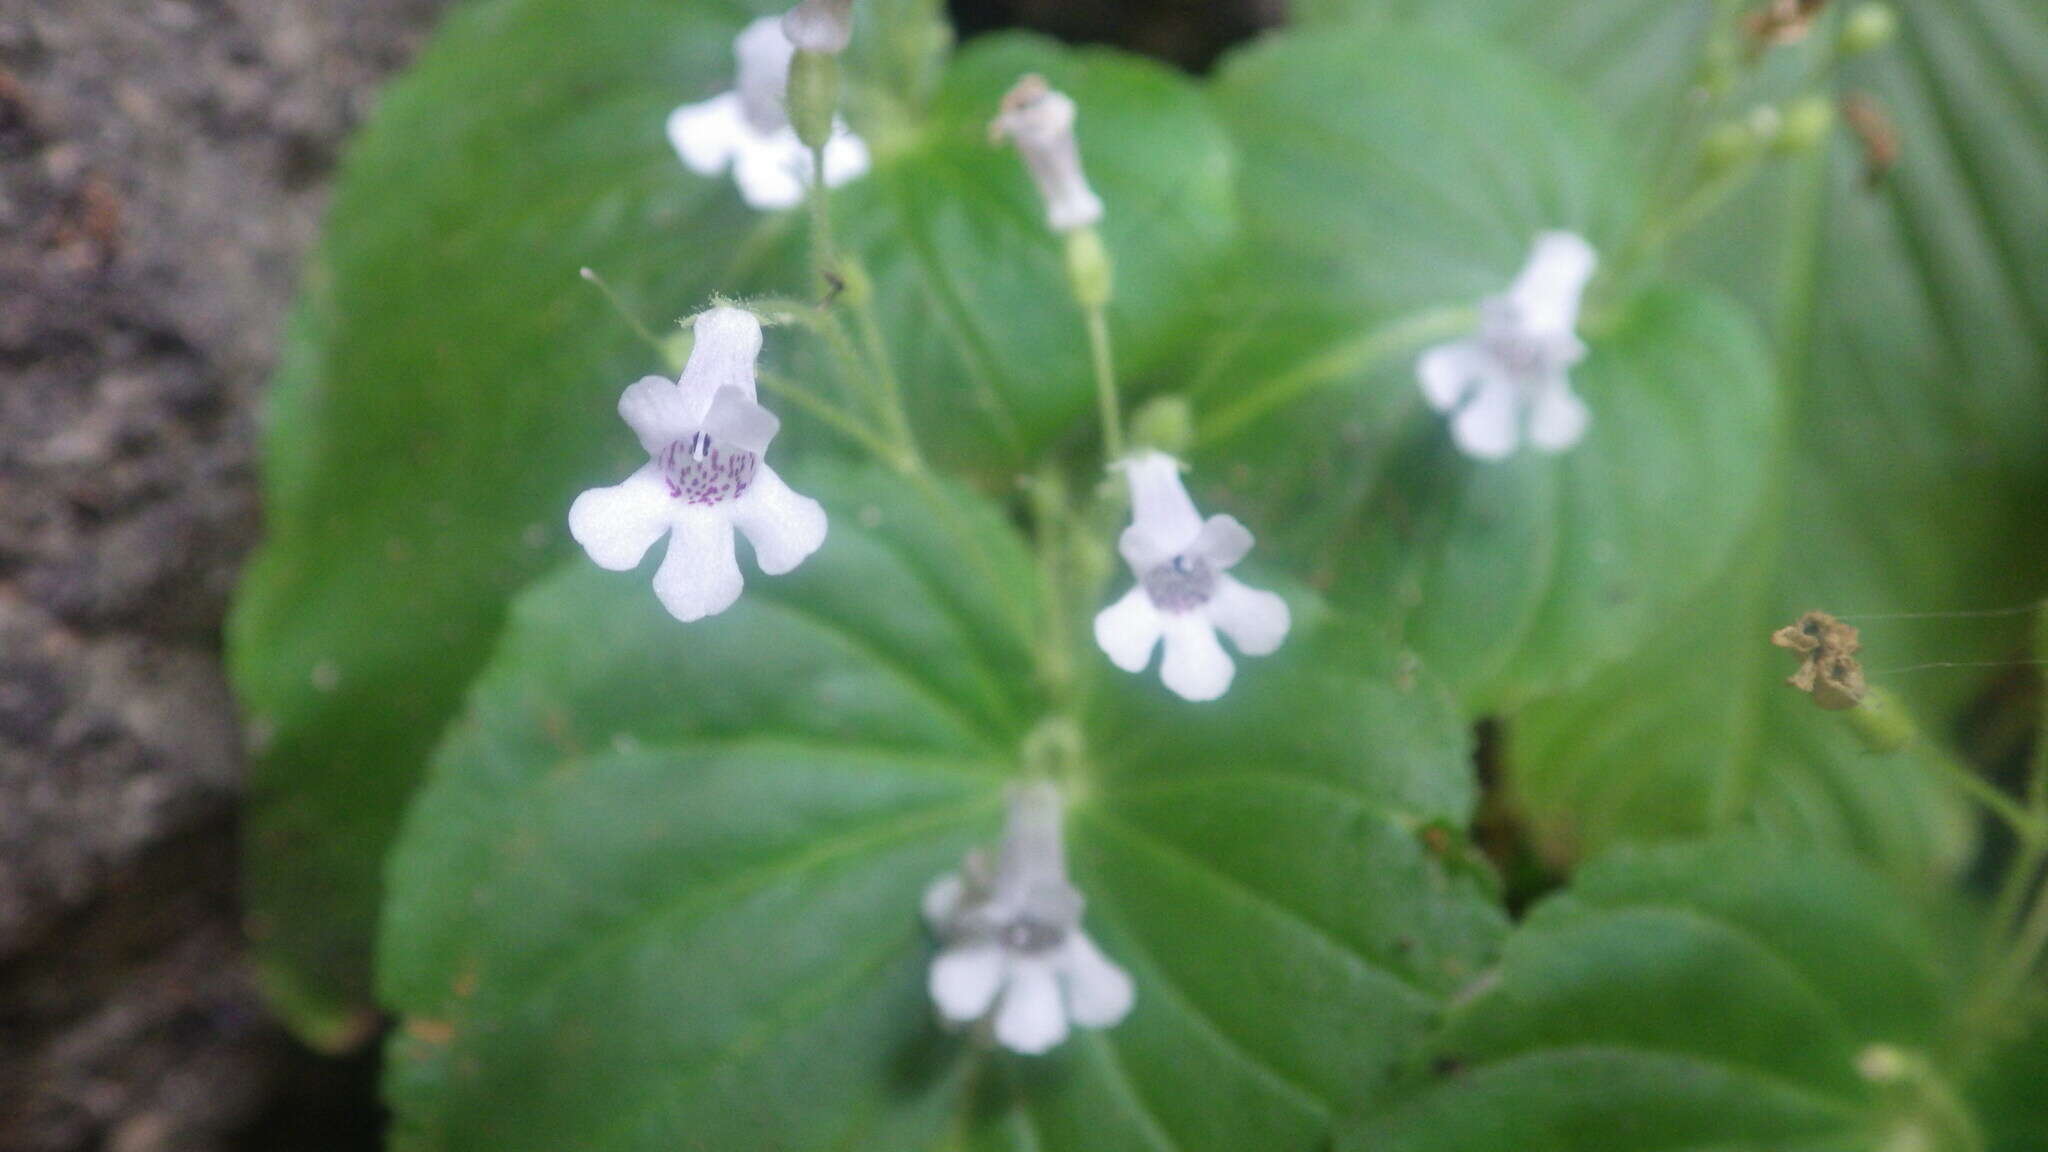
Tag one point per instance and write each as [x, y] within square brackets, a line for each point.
[1870, 27]
[1882, 1064]
[1040, 120]
[1881, 723]
[1807, 124]
[1089, 271]
[1765, 123]
[1165, 424]
[813, 97]
[1726, 146]
[821, 26]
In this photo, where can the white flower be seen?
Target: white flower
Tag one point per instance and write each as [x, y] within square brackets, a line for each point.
[1184, 593]
[820, 26]
[1515, 373]
[704, 437]
[1041, 121]
[1011, 939]
[748, 130]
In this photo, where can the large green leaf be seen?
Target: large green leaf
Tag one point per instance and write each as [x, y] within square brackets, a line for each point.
[1908, 320]
[447, 389]
[1391, 181]
[970, 283]
[449, 382]
[2007, 1091]
[1732, 996]
[1633, 56]
[662, 891]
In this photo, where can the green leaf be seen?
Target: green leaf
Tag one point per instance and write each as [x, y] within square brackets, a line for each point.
[971, 285]
[1727, 996]
[2007, 1091]
[663, 889]
[1910, 344]
[449, 380]
[1392, 181]
[1701, 731]
[1633, 56]
[447, 389]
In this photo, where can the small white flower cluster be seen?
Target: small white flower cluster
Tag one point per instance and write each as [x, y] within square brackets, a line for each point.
[1012, 952]
[747, 130]
[1011, 949]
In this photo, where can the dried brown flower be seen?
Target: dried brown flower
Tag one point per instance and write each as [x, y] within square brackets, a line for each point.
[1781, 22]
[1876, 132]
[1831, 674]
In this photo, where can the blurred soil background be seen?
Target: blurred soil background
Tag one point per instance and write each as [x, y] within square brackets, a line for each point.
[163, 166]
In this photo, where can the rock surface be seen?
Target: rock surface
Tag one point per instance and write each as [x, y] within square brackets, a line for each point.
[162, 164]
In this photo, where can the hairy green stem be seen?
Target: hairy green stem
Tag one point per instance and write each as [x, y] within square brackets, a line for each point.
[832, 415]
[1103, 360]
[823, 253]
[890, 400]
[1054, 651]
[1334, 367]
[2024, 824]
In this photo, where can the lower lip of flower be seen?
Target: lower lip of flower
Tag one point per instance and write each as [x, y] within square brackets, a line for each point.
[700, 473]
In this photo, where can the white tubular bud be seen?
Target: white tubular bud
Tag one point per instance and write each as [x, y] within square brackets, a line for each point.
[1034, 853]
[823, 26]
[762, 55]
[1040, 121]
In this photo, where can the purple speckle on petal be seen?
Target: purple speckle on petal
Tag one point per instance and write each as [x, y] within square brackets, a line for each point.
[699, 473]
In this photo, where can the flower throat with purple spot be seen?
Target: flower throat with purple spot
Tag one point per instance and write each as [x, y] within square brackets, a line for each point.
[1181, 586]
[699, 473]
[1502, 332]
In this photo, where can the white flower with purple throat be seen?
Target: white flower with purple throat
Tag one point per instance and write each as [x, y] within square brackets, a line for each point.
[1011, 945]
[1185, 594]
[747, 130]
[1513, 378]
[704, 478]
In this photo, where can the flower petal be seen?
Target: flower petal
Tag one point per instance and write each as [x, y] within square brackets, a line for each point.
[1032, 1019]
[1558, 419]
[783, 527]
[846, 157]
[617, 525]
[1040, 120]
[1163, 517]
[1098, 992]
[820, 26]
[699, 577]
[1255, 620]
[941, 903]
[1546, 294]
[772, 171]
[707, 136]
[1127, 630]
[1223, 542]
[653, 408]
[761, 58]
[964, 980]
[736, 421]
[1485, 428]
[726, 343]
[1196, 666]
[1448, 371]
